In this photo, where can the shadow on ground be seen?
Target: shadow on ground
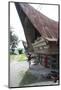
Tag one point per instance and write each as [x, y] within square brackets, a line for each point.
[28, 78]
[33, 75]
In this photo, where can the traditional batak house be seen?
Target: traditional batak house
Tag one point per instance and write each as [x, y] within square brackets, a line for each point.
[41, 34]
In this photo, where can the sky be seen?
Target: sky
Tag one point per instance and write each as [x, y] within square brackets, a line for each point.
[50, 11]
[16, 25]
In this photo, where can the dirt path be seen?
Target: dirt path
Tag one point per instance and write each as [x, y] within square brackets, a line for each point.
[17, 71]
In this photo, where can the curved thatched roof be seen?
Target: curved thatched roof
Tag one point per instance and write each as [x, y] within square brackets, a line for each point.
[48, 28]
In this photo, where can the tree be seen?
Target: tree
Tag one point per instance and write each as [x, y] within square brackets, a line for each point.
[13, 41]
[20, 51]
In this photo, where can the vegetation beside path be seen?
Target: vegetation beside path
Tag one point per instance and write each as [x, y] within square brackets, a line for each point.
[20, 57]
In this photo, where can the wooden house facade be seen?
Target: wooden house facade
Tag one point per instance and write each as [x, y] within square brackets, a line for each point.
[40, 31]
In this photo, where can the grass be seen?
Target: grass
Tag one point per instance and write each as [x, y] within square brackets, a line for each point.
[21, 57]
[28, 79]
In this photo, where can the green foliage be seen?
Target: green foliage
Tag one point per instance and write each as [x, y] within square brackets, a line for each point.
[21, 57]
[20, 51]
[13, 41]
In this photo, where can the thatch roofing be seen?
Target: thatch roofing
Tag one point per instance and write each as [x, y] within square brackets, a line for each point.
[48, 28]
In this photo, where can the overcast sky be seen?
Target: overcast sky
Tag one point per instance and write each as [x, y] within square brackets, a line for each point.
[50, 11]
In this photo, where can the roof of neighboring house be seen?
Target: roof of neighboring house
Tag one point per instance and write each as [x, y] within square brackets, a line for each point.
[48, 28]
